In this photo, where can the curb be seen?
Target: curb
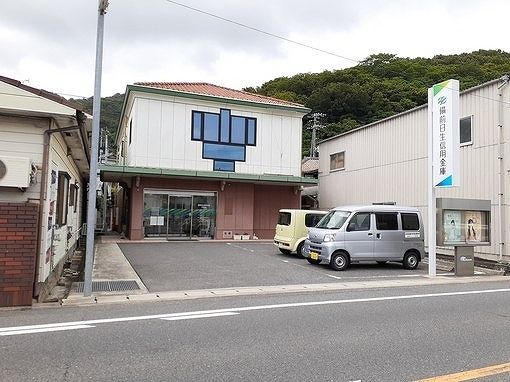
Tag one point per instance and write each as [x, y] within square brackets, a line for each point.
[279, 289]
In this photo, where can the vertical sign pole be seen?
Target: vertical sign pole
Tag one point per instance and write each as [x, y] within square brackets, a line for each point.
[431, 207]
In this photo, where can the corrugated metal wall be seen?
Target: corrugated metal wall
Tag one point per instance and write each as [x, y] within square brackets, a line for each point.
[387, 161]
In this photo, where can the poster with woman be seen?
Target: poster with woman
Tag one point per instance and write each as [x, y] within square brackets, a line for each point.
[452, 226]
[473, 224]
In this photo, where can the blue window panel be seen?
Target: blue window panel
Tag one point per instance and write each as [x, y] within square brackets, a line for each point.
[238, 130]
[196, 132]
[225, 125]
[225, 152]
[223, 166]
[251, 133]
[211, 127]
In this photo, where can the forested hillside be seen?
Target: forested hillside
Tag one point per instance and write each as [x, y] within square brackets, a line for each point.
[110, 112]
[378, 87]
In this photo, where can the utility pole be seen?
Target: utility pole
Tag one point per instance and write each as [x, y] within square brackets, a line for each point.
[96, 111]
[315, 126]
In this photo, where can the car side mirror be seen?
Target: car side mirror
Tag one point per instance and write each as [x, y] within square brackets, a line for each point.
[351, 226]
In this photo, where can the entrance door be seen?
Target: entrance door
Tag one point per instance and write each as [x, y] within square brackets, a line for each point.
[204, 216]
[180, 222]
[155, 215]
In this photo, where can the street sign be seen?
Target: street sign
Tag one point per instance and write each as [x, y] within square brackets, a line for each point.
[445, 133]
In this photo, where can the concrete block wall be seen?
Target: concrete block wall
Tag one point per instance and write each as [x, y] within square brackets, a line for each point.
[18, 238]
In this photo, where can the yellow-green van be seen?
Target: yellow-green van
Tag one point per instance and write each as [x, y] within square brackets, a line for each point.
[292, 229]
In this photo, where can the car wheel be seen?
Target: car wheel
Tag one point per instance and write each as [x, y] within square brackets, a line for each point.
[312, 261]
[381, 262]
[339, 261]
[299, 249]
[285, 251]
[411, 260]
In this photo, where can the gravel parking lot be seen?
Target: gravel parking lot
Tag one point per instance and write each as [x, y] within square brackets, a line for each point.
[201, 265]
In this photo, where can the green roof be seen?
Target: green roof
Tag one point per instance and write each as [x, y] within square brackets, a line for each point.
[117, 172]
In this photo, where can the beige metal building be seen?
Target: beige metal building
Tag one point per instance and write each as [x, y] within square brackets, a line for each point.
[386, 161]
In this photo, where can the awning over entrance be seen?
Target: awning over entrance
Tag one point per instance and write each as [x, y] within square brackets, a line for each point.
[115, 173]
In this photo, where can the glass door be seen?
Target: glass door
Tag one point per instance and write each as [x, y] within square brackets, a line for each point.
[204, 216]
[155, 215]
[179, 215]
[180, 223]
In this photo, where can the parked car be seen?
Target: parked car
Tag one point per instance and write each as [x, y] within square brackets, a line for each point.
[378, 233]
[292, 229]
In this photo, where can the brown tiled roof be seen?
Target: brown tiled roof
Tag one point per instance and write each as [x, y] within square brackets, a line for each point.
[205, 88]
[43, 93]
[309, 165]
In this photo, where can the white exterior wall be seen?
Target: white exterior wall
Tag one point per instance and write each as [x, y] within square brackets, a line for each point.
[161, 136]
[23, 138]
[387, 161]
[61, 243]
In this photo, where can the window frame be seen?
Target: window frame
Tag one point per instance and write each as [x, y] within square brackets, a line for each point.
[315, 216]
[351, 220]
[470, 142]
[386, 213]
[402, 221]
[62, 198]
[343, 160]
[286, 214]
[130, 131]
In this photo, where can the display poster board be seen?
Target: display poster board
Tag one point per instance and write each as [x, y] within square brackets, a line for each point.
[452, 224]
[464, 228]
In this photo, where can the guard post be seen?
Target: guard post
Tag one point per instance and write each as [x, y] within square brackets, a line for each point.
[463, 224]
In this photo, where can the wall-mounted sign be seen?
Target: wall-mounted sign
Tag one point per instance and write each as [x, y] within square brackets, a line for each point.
[445, 133]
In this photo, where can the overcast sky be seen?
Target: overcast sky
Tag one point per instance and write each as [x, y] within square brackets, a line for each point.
[51, 43]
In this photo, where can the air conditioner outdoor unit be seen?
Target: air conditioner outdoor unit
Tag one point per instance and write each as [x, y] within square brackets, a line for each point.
[14, 171]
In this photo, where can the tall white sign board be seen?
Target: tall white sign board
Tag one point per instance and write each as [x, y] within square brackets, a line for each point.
[443, 151]
[445, 133]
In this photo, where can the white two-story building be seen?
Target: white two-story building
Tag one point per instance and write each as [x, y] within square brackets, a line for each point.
[200, 160]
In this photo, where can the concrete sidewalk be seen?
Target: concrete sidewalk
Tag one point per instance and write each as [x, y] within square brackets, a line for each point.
[110, 264]
[265, 290]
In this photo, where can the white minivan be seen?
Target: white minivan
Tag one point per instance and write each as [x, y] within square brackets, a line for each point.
[378, 233]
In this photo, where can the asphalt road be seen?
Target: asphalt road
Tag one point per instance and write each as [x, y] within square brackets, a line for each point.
[398, 334]
[201, 265]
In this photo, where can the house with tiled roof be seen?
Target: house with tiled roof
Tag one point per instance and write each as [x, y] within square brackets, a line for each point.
[197, 160]
[44, 164]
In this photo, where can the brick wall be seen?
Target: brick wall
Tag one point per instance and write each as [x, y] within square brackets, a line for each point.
[18, 238]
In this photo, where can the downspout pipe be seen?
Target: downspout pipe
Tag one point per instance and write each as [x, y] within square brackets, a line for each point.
[501, 179]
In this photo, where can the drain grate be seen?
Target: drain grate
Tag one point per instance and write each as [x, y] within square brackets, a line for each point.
[108, 286]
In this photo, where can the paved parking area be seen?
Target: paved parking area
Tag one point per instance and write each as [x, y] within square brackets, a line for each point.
[177, 266]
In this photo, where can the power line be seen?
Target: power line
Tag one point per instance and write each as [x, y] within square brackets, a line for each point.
[262, 31]
[258, 30]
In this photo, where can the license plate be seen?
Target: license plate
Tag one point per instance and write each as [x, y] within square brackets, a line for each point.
[314, 256]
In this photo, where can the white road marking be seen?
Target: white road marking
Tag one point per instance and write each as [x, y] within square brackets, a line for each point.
[238, 246]
[79, 324]
[285, 261]
[334, 277]
[44, 330]
[193, 316]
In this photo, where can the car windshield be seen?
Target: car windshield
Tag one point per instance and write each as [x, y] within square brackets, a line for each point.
[333, 220]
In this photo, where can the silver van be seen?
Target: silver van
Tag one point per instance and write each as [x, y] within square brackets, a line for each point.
[380, 233]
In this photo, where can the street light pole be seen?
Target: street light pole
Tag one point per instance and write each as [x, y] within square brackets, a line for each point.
[96, 111]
